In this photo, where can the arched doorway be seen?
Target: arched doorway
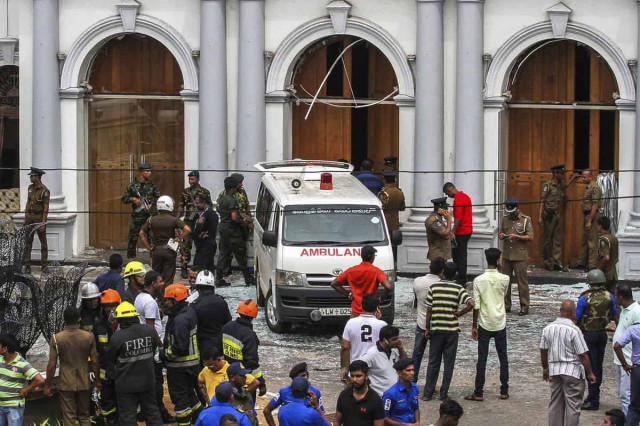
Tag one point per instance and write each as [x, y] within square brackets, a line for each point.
[562, 111]
[339, 126]
[135, 115]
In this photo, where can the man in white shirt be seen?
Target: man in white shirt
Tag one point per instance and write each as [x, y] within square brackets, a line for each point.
[360, 333]
[420, 289]
[193, 292]
[381, 357]
[563, 354]
[147, 306]
[490, 322]
[629, 315]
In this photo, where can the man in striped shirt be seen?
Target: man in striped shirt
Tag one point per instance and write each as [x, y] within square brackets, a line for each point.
[15, 372]
[563, 354]
[442, 328]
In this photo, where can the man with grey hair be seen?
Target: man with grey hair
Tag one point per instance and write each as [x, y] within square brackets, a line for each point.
[564, 357]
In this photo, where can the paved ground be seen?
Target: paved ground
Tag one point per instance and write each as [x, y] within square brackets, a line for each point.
[319, 347]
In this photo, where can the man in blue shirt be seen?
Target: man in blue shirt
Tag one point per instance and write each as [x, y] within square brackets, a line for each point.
[401, 405]
[284, 395]
[298, 412]
[112, 278]
[220, 406]
[368, 178]
[631, 335]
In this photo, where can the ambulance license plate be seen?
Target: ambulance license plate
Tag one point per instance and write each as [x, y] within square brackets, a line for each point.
[335, 312]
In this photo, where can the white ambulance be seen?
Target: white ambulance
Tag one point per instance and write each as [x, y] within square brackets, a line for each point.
[312, 219]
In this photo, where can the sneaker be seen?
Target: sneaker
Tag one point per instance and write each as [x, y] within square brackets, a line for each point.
[590, 406]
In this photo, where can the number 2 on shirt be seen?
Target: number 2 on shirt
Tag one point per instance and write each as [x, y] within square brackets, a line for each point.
[367, 331]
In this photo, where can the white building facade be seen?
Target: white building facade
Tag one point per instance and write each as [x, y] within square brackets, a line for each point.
[456, 68]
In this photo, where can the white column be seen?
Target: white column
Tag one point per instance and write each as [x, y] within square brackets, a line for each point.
[251, 93]
[47, 150]
[634, 215]
[469, 141]
[429, 107]
[212, 147]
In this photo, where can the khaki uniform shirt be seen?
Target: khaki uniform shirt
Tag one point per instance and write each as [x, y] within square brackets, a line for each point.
[37, 199]
[73, 347]
[608, 245]
[516, 249]
[392, 199]
[163, 227]
[592, 194]
[553, 195]
[439, 243]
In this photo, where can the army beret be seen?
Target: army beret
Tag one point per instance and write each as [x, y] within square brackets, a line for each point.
[440, 202]
[238, 177]
[558, 168]
[144, 166]
[402, 363]
[298, 369]
[194, 173]
[36, 172]
[230, 182]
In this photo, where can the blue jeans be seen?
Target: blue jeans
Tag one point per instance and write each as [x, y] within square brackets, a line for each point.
[419, 345]
[11, 416]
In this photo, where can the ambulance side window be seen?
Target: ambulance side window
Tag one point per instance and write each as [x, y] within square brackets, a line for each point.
[274, 223]
[264, 207]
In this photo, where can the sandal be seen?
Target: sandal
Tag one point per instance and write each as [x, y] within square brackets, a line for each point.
[474, 397]
[504, 396]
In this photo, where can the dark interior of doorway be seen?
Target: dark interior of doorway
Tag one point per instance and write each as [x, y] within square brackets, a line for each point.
[359, 89]
[10, 155]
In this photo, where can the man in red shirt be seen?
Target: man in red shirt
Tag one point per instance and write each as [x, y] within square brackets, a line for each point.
[363, 279]
[462, 229]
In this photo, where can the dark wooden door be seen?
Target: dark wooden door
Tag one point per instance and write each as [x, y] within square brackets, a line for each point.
[549, 130]
[135, 116]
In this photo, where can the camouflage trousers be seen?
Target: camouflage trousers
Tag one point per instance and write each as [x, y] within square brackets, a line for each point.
[188, 241]
[136, 222]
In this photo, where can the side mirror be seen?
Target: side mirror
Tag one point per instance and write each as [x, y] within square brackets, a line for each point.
[270, 239]
[396, 238]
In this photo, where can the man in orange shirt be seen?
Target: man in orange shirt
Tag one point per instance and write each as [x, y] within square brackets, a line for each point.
[363, 279]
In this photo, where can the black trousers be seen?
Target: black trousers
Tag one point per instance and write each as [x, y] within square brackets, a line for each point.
[460, 257]
[128, 406]
[159, 388]
[443, 346]
[204, 258]
[500, 338]
[108, 401]
[183, 388]
[597, 343]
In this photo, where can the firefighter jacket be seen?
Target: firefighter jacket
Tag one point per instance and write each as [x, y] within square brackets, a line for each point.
[103, 331]
[213, 313]
[131, 350]
[180, 337]
[240, 344]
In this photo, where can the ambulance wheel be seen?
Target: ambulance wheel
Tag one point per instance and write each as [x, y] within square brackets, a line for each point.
[271, 315]
[259, 296]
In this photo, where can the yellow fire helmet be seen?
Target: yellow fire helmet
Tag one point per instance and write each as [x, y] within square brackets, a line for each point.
[126, 310]
[134, 268]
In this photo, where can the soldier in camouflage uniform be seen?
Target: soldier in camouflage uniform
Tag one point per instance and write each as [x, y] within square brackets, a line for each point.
[36, 211]
[608, 253]
[591, 203]
[595, 308]
[552, 199]
[188, 208]
[244, 209]
[142, 194]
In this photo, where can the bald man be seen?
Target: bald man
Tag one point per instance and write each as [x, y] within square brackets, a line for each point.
[563, 354]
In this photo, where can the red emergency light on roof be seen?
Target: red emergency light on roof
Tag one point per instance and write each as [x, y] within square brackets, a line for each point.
[326, 181]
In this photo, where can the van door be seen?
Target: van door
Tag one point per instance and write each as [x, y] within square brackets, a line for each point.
[264, 212]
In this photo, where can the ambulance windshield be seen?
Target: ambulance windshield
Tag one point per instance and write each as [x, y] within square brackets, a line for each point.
[333, 226]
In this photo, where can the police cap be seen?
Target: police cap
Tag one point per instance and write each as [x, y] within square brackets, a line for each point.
[298, 369]
[299, 384]
[144, 166]
[36, 172]
[440, 202]
[236, 368]
[403, 363]
[558, 168]
[510, 204]
[390, 161]
[194, 173]
[224, 391]
[230, 183]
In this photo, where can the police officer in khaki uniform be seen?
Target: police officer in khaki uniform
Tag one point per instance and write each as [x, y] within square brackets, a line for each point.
[516, 232]
[36, 211]
[552, 199]
[392, 199]
[608, 253]
[591, 203]
[162, 228]
[439, 233]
